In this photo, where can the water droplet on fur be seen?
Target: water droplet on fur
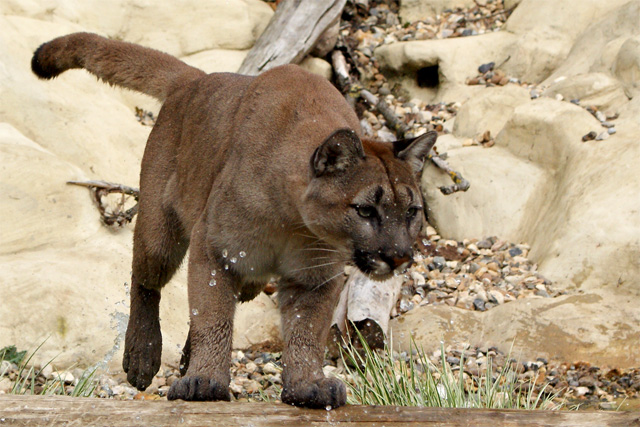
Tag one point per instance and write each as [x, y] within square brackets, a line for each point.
[425, 242]
[298, 316]
[328, 407]
[233, 260]
[213, 282]
[213, 272]
[242, 254]
[226, 266]
[194, 311]
[225, 253]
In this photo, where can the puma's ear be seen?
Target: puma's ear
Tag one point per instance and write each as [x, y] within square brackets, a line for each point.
[342, 149]
[415, 150]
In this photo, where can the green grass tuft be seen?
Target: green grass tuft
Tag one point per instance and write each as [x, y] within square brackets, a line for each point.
[25, 382]
[380, 378]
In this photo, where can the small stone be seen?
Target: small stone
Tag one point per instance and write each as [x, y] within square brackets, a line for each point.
[611, 131]
[607, 124]
[270, 368]
[5, 385]
[581, 391]
[66, 377]
[454, 361]
[590, 136]
[418, 278]
[478, 304]
[484, 244]
[496, 297]
[235, 388]
[486, 67]
[608, 406]
[406, 305]
[515, 251]
[46, 372]
[6, 367]
[439, 262]
[602, 136]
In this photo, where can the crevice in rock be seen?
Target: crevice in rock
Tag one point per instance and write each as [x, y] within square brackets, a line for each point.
[428, 77]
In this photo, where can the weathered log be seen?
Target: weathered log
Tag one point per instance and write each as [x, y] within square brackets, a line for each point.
[293, 32]
[54, 411]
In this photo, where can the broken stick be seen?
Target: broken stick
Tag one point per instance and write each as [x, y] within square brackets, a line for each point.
[99, 189]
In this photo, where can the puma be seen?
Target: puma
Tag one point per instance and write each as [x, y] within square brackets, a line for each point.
[259, 176]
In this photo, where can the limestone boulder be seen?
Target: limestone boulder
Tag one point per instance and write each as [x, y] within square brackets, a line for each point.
[180, 28]
[592, 327]
[627, 65]
[257, 324]
[489, 110]
[540, 42]
[596, 48]
[456, 60]
[576, 204]
[594, 89]
[317, 66]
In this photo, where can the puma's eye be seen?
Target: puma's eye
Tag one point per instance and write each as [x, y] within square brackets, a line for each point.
[366, 211]
[412, 212]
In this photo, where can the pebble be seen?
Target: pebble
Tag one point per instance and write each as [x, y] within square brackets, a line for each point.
[271, 368]
[590, 136]
[602, 136]
[484, 68]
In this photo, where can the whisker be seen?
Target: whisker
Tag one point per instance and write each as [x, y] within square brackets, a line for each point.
[315, 266]
[326, 281]
[321, 249]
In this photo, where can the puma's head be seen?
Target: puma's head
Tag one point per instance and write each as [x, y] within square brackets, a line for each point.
[364, 198]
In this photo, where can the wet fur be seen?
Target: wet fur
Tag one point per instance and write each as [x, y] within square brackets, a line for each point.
[270, 171]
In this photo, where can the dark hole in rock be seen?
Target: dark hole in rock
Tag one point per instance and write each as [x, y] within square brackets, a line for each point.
[429, 76]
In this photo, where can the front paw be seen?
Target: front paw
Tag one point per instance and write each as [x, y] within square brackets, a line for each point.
[322, 393]
[142, 355]
[198, 388]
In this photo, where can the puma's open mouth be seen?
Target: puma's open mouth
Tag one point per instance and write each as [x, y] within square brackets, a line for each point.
[379, 268]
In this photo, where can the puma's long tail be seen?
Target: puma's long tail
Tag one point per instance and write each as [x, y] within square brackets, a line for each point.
[118, 63]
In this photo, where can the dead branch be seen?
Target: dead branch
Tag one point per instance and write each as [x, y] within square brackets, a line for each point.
[394, 123]
[292, 33]
[459, 183]
[118, 216]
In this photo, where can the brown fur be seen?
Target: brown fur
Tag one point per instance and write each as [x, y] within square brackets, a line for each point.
[259, 176]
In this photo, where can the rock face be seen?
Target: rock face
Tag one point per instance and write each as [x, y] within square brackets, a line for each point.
[64, 274]
[576, 203]
[415, 10]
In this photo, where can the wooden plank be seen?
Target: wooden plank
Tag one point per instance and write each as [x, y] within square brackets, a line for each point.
[21, 411]
[292, 32]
